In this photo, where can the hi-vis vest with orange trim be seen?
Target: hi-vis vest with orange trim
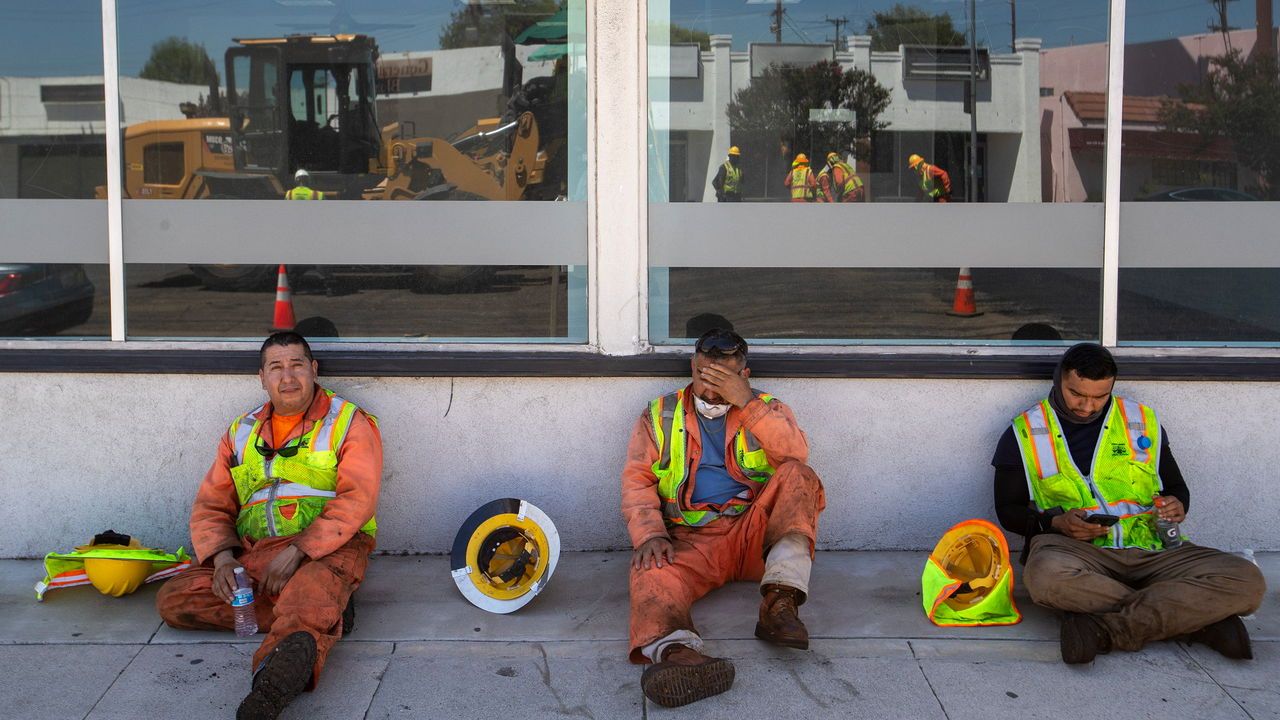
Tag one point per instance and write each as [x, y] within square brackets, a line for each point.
[283, 495]
[800, 177]
[64, 570]
[672, 467]
[1123, 480]
[849, 186]
[968, 579]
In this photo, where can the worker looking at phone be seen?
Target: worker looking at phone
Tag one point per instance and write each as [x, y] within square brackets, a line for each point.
[1082, 476]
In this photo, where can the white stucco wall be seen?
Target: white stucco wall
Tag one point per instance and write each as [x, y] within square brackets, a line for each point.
[902, 459]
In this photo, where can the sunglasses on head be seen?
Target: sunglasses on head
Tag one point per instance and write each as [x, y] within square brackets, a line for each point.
[721, 342]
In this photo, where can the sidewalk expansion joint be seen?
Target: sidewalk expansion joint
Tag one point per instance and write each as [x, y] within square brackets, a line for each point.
[927, 681]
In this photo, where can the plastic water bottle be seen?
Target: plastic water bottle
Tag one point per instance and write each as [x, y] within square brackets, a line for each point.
[242, 604]
[1170, 534]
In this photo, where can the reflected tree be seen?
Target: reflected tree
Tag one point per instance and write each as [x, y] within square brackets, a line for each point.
[777, 104]
[178, 60]
[910, 25]
[1238, 99]
[472, 25]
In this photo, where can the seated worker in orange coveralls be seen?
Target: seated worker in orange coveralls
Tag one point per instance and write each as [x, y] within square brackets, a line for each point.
[290, 497]
[715, 489]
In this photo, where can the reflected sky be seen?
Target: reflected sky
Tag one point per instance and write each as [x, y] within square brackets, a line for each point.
[64, 38]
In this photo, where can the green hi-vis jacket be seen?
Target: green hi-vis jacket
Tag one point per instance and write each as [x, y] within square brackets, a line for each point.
[672, 466]
[732, 179]
[968, 579]
[1124, 478]
[63, 570]
[282, 495]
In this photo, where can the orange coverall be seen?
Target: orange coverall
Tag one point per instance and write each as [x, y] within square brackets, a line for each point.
[336, 552]
[729, 548]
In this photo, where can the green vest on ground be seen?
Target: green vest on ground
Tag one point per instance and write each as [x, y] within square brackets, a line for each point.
[63, 570]
[283, 495]
[1123, 481]
[968, 579]
[302, 192]
[671, 468]
[732, 179]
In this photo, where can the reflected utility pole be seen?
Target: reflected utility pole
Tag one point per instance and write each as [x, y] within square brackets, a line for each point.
[971, 187]
[776, 25]
[841, 42]
[1013, 25]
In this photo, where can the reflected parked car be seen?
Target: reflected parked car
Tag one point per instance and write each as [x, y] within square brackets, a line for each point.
[43, 298]
[1201, 194]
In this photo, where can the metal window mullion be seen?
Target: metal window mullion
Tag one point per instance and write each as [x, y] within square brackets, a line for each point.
[616, 219]
[115, 188]
[1111, 196]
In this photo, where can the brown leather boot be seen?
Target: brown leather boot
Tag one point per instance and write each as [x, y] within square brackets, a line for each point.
[284, 675]
[684, 676]
[780, 617]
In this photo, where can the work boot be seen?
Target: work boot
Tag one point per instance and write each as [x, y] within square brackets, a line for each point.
[283, 676]
[1228, 636]
[349, 615]
[1083, 637]
[684, 676]
[780, 617]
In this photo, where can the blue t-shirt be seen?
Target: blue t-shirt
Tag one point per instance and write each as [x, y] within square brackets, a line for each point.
[712, 481]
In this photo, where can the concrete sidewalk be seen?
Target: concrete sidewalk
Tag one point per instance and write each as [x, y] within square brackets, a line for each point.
[420, 651]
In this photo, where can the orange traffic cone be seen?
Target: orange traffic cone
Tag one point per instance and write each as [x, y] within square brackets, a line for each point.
[284, 319]
[964, 304]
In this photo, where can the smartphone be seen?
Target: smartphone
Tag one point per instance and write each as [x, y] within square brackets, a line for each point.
[1101, 519]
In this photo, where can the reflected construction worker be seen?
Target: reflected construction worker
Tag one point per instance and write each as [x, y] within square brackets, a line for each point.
[839, 182]
[935, 183]
[290, 498]
[1083, 475]
[801, 180]
[715, 489]
[728, 180]
[302, 188]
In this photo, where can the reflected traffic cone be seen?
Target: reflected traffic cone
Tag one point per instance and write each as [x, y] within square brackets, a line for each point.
[284, 319]
[964, 304]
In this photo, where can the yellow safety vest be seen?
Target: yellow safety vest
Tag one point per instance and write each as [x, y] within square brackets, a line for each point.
[672, 466]
[1123, 481]
[851, 181]
[800, 189]
[732, 179]
[63, 570]
[283, 495]
[928, 185]
[303, 192]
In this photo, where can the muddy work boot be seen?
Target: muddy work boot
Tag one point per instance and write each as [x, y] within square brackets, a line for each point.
[283, 677]
[780, 617]
[1228, 636]
[684, 676]
[1082, 638]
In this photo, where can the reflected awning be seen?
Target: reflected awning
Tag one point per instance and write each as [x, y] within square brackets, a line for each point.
[1155, 144]
[551, 29]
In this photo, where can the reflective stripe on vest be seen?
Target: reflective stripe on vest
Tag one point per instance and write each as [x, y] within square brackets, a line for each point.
[732, 179]
[851, 180]
[667, 415]
[283, 495]
[800, 189]
[1124, 477]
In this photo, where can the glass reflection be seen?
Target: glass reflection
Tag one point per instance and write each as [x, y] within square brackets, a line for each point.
[53, 299]
[335, 100]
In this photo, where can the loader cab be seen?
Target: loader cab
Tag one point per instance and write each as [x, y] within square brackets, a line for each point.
[305, 102]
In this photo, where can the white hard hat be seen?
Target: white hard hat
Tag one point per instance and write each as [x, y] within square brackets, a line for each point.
[301, 175]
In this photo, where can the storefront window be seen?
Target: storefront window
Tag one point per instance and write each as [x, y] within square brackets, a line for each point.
[53, 238]
[454, 132]
[888, 175]
[1201, 165]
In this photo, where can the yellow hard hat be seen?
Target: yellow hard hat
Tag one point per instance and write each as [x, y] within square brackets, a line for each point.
[115, 576]
[734, 150]
[802, 159]
[914, 160]
[833, 157]
[973, 554]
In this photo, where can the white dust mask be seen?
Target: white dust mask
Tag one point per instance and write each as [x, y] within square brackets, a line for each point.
[709, 411]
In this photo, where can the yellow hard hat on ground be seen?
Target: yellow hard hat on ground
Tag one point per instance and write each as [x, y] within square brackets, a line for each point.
[968, 579]
[914, 160]
[504, 555]
[115, 576]
[735, 151]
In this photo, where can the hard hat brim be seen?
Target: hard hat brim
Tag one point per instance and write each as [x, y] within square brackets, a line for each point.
[529, 521]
